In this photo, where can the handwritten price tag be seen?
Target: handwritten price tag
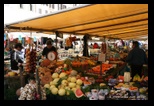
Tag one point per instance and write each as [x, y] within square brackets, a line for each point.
[101, 57]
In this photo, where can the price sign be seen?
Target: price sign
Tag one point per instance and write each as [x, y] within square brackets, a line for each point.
[101, 57]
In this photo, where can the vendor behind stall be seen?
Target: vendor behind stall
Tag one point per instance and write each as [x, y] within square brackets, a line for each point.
[48, 49]
[16, 57]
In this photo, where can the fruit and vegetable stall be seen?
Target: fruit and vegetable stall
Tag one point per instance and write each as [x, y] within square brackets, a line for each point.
[79, 79]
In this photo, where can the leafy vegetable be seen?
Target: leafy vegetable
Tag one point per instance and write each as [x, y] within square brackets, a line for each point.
[47, 91]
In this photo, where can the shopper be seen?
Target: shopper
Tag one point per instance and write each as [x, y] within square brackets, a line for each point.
[91, 46]
[48, 49]
[16, 57]
[77, 47]
[136, 58]
[95, 46]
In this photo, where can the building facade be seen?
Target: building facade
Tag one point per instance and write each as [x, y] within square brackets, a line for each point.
[17, 12]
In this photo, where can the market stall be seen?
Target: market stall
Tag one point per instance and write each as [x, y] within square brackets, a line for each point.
[79, 77]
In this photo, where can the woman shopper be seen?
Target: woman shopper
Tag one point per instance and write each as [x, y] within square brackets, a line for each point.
[136, 58]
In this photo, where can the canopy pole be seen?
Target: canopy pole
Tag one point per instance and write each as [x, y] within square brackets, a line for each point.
[38, 89]
[37, 45]
[22, 78]
[31, 38]
[85, 49]
[57, 33]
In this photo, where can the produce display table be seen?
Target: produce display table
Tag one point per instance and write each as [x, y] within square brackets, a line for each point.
[109, 88]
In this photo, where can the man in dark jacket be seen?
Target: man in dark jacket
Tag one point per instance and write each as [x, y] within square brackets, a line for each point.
[48, 48]
[136, 58]
[16, 57]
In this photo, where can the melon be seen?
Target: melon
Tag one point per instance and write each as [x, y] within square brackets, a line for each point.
[72, 85]
[51, 83]
[61, 92]
[79, 81]
[63, 74]
[73, 79]
[78, 93]
[74, 89]
[55, 75]
[47, 86]
[55, 81]
[67, 88]
[69, 79]
[52, 86]
[54, 91]
[61, 86]
[64, 82]
[78, 86]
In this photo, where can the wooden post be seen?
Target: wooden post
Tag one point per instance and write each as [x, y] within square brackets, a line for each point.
[85, 49]
[101, 68]
[56, 41]
[22, 78]
[38, 80]
[57, 33]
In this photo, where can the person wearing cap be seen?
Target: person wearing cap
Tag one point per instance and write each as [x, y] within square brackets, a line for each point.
[16, 57]
[48, 49]
[136, 58]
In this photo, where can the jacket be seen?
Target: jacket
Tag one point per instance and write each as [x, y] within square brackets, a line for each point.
[137, 56]
[15, 59]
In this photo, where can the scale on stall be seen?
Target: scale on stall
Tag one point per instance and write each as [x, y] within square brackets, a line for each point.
[52, 56]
